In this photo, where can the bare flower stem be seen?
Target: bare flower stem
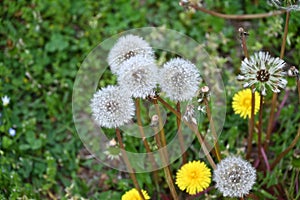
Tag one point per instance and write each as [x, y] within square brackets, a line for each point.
[251, 120]
[260, 126]
[180, 136]
[161, 129]
[168, 106]
[145, 142]
[282, 154]
[274, 98]
[237, 17]
[286, 29]
[195, 130]
[161, 143]
[128, 165]
[203, 146]
[213, 130]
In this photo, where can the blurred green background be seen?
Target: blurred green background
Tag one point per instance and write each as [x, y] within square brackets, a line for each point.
[43, 44]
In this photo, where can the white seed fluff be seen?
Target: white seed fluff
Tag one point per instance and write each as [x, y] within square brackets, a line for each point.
[234, 177]
[179, 79]
[125, 48]
[138, 76]
[112, 107]
[263, 70]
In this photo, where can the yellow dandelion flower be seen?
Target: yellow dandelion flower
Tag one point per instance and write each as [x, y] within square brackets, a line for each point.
[133, 194]
[193, 177]
[242, 101]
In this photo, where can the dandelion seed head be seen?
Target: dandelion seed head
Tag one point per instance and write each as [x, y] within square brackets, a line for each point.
[263, 71]
[234, 177]
[112, 107]
[125, 48]
[179, 79]
[193, 177]
[139, 76]
[290, 5]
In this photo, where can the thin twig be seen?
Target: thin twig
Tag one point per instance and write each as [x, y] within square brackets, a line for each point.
[237, 17]
[281, 155]
[180, 136]
[128, 165]
[274, 98]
